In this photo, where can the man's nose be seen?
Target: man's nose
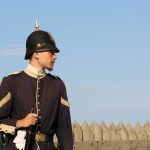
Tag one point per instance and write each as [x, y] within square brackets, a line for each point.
[54, 56]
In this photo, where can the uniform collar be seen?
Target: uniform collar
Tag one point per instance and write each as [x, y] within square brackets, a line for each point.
[33, 72]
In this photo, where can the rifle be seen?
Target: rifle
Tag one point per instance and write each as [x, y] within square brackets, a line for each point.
[29, 137]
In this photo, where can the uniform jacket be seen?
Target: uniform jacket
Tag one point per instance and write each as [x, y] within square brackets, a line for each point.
[46, 94]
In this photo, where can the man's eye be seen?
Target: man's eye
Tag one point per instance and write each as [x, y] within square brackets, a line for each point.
[52, 53]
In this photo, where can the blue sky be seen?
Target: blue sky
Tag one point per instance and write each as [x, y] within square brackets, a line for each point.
[104, 58]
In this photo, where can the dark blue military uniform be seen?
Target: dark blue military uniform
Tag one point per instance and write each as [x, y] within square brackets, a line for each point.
[46, 94]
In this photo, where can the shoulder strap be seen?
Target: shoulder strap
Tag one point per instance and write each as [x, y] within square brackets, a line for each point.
[53, 76]
[15, 73]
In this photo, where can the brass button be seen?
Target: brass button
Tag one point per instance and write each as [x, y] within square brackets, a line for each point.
[38, 103]
[40, 117]
[39, 110]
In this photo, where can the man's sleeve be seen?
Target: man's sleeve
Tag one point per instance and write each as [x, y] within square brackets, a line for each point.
[6, 103]
[64, 128]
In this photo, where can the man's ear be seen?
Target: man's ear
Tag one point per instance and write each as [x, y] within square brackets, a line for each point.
[36, 55]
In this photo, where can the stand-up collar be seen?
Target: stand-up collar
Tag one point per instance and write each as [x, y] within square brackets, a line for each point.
[33, 72]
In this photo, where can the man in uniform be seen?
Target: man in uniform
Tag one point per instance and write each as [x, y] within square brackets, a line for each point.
[36, 101]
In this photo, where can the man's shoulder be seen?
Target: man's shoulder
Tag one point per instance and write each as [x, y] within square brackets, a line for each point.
[56, 79]
[13, 74]
[53, 76]
[11, 78]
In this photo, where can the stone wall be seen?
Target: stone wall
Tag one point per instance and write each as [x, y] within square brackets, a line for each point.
[102, 137]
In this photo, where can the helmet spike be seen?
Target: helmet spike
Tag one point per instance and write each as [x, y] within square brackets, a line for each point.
[36, 25]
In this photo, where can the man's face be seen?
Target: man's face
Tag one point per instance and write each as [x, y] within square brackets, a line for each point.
[46, 59]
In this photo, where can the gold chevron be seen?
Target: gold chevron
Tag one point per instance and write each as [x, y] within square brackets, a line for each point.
[64, 102]
[5, 99]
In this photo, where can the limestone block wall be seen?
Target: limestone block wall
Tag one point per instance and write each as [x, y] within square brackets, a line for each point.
[112, 137]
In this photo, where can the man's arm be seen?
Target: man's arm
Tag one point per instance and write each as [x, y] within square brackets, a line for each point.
[6, 99]
[64, 128]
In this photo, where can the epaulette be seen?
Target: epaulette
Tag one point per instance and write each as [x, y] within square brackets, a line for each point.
[14, 73]
[53, 76]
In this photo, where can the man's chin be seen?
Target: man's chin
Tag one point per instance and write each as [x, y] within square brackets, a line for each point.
[49, 69]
